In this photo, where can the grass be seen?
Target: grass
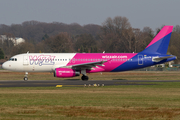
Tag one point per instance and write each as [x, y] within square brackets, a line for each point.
[159, 101]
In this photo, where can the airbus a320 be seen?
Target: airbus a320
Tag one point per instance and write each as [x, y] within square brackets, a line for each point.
[65, 65]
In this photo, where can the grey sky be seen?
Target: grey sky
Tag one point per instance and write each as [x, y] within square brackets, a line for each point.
[141, 13]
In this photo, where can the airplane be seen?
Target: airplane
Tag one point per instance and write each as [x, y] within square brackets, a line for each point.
[65, 65]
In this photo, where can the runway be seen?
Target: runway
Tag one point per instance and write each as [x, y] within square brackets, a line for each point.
[78, 83]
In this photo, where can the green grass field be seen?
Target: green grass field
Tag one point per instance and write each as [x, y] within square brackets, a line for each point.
[160, 101]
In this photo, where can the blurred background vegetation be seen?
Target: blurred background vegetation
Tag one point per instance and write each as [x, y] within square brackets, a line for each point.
[114, 35]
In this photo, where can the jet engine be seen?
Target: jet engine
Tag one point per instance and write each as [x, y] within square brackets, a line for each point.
[65, 72]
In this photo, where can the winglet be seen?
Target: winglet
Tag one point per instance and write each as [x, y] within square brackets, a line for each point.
[160, 42]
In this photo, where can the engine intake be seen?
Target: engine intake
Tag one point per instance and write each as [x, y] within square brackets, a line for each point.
[65, 72]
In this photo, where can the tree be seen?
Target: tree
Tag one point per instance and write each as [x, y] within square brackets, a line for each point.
[177, 29]
[84, 42]
[43, 47]
[1, 54]
[174, 45]
[23, 48]
[45, 37]
[146, 37]
[60, 43]
[7, 46]
[117, 35]
[137, 39]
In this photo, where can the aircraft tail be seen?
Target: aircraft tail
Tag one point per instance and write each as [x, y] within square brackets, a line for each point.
[160, 43]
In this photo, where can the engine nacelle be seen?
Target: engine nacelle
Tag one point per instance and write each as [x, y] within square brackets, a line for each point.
[65, 72]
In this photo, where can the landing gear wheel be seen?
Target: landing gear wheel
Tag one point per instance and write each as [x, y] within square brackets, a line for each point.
[85, 78]
[25, 78]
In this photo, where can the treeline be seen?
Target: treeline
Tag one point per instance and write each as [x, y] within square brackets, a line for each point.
[114, 35]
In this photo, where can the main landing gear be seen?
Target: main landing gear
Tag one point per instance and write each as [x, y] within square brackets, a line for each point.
[84, 77]
[26, 76]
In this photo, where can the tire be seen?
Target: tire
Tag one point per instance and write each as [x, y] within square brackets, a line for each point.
[25, 78]
[85, 78]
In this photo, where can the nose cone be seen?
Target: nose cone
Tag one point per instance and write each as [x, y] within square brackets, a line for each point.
[5, 66]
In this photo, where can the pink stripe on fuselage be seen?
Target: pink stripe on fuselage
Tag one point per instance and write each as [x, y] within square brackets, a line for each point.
[113, 60]
[165, 31]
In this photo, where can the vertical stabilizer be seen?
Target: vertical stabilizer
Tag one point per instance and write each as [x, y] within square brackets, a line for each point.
[160, 43]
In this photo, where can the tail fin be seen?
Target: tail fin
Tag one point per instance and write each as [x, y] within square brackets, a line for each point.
[160, 43]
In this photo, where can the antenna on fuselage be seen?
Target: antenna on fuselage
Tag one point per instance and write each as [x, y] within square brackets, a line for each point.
[103, 51]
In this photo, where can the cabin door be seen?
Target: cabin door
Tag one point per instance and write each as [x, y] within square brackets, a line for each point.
[25, 60]
[140, 59]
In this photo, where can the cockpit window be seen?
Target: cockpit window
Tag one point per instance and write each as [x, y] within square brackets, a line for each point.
[13, 59]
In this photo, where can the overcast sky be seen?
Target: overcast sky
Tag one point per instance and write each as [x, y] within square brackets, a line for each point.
[141, 13]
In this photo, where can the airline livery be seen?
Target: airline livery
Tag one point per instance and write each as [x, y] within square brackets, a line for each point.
[73, 64]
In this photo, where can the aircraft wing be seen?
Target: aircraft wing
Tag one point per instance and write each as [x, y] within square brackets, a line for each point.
[87, 65]
[157, 59]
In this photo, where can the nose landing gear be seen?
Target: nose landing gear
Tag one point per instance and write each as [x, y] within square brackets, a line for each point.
[26, 76]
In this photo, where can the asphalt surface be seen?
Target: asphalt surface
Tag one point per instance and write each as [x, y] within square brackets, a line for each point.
[78, 83]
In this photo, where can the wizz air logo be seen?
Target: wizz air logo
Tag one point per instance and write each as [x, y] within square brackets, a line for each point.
[41, 60]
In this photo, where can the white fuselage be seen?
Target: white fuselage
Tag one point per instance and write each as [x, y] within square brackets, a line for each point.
[38, 62]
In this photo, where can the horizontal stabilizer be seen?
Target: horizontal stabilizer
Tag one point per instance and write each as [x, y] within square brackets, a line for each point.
[158, 59]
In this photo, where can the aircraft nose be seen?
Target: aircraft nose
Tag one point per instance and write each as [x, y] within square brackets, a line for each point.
[4, 65]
